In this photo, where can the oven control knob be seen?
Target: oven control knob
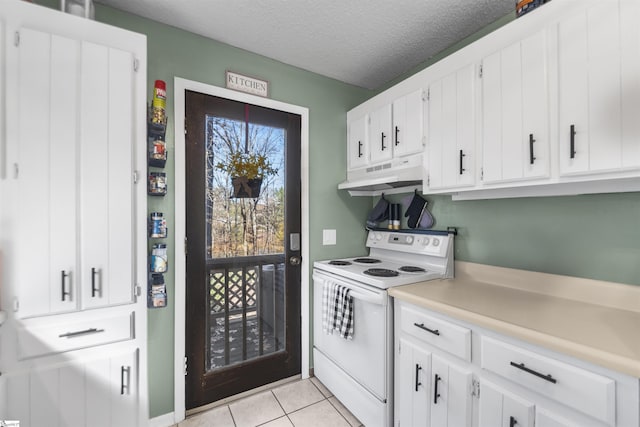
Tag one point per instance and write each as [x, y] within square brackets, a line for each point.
[425, 242]
[378, 236]
[436, 241]
[409, 240]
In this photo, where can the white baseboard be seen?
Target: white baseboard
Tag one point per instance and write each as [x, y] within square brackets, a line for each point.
[166, 420]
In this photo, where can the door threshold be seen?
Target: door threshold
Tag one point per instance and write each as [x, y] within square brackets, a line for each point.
[242, 395]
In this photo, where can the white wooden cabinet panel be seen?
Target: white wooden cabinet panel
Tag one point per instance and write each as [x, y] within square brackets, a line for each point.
[358, 147]
[120, 178]
[413, 382]
[34, 87]
[52, 161]
[451, 404]
[577, 388]
[545, 418]
[535, 106]
[380, 135]
[598, 55]
[408, 124]
[62, 179]
[499, 407]
[100, 392]
[451, 130]
[94, 174]
[515, 109]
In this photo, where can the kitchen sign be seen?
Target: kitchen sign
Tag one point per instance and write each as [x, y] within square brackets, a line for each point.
[246, 84]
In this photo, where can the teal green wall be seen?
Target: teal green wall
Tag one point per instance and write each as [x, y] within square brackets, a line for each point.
[594, 236]
[176, 53]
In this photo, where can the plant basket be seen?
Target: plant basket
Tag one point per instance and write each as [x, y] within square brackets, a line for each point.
[245, 188]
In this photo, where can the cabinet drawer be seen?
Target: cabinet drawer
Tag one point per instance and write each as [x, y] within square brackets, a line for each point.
[65, 336]
[575, 387]
[440, 333]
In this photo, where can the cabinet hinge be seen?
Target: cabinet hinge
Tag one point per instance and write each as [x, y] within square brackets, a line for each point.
[136, 64]
[428, 94]
[135, 177]
[16, 171]
[424, 141]
[16, 38]
[425, 96]
[185, 366]
[16, 305]
[481, 174]
[475, 388]
[138, 290]
[428, 180]
[480, 71]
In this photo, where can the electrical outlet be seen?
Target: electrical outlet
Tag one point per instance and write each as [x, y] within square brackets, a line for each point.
[328, 237]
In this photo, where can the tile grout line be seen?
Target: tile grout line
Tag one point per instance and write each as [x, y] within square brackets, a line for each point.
[341, 414]
[232, 417]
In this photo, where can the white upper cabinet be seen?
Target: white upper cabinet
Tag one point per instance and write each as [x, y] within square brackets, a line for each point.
[450, 160]
[408, 124]
[357, 146]
[598, 68]
[394, 130]
[515, 112]
[73, 171]
[380, 135]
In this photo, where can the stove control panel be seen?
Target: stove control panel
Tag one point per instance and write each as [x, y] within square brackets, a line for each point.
[412, 243]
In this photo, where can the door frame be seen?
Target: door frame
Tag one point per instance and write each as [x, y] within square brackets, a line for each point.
[180, 86]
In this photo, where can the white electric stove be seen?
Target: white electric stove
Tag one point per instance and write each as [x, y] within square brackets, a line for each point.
[359, 371]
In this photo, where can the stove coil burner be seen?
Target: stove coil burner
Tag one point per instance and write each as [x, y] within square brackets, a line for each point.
[381, 272]
[412, 269]
[339, 262]
[367, 260]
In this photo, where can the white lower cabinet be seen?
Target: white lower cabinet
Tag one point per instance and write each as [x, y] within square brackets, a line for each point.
[96, 392]
[500, 408]
[500, 381]
[412, 384]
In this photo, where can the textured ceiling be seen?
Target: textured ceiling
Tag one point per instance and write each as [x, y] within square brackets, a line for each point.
[362, 42]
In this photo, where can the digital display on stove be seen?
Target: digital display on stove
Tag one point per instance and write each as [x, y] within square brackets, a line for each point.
[399, 239]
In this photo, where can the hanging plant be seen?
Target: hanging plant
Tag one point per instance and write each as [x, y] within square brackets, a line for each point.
[246, 171]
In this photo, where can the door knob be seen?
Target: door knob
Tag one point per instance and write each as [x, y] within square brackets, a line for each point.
[295, 260]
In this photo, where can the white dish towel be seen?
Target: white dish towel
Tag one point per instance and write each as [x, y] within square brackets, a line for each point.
[337, 310]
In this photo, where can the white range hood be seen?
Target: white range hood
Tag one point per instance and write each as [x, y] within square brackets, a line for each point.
[396, 176]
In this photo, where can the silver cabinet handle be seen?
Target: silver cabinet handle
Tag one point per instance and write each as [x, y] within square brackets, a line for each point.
[81, 333]
[95, 272]
[63, 281]
[125, 370]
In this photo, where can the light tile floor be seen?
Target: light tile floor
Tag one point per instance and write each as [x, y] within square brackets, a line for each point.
[303, 403]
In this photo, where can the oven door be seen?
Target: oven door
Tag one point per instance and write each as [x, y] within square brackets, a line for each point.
[365, 357]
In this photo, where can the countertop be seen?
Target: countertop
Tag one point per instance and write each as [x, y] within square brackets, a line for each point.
[592, 320]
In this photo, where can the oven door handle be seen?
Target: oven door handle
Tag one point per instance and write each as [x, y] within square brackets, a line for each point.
[356, 292]
[365, 297]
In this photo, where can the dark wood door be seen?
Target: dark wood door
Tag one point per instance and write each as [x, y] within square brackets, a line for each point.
[243, 247]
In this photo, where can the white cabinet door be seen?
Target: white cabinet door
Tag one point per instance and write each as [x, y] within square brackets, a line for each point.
[499, 407]
[380, 135]
[95, 393]
[595, 134]
[412, 385]
[358, 147]
[47, 275]
[451, 137]
[515, 107]
[106, 177]
[408, 124]
[75, 174]
[451, 404]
